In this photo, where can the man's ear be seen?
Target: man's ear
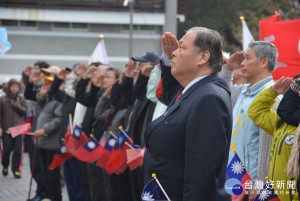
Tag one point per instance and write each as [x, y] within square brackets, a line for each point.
[265, 62]
[203, 57]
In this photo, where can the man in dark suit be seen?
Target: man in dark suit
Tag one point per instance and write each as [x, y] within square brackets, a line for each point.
[187, 147]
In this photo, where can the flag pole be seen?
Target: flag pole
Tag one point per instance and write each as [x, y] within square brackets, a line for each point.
[110, 132]
[122, 130]
[71, 122]
[33, 165]
[131, 147]
[154, 176]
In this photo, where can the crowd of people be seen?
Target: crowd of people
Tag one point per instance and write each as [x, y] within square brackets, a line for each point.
[192, 108]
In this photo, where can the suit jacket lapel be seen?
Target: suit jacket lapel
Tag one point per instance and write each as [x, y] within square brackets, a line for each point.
[173, 106]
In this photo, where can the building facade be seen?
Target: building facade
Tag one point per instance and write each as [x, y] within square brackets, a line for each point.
[63, 32]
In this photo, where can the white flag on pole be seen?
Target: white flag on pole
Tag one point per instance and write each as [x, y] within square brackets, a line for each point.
[99, 54]
[247, 36]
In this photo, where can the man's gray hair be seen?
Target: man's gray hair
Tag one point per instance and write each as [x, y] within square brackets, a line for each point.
[263, 49]
[207, 39]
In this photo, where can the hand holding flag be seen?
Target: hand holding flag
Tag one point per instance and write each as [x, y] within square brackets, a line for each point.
[21, 129]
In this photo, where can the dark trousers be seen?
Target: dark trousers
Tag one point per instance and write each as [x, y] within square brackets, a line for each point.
[38, 174]
[12, 145]
[123, 186]
[75, 189]
[82, 171]
[52, 177]
[96, 183]
[137, 180]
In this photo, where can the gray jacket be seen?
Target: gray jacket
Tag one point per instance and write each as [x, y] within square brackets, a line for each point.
[101, 113]
[49, 119]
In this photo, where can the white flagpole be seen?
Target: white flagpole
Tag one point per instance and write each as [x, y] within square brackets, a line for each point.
[121, 129]
[154, 176]
[71, 122]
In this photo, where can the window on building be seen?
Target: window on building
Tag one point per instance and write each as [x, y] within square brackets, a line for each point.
[139, 28]
[147, 27]
[79, 26]
[28, 24]
[13, 23]
[61, 25]
[126, 27]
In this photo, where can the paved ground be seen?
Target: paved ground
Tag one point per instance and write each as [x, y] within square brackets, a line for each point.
[12, 189]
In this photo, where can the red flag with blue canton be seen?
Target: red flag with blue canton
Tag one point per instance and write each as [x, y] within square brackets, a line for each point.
[89, 151]
[21, 129]
[69, 130]
[106, 152]
[117, 161]
[237, 170]
[267, 194]
[60, 157]
[153, 192]
[77, 139]
[29, 118]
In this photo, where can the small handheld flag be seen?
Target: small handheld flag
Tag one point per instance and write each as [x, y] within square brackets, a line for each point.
[267, 193]
[135, 157]
[154, 191]
[106, 152]
[29, 118]
[89, 151]
[21, 129]
[117, 161]
[69, 129]
[60, 157]
[77, 139]
[237, 171]
[125, 134]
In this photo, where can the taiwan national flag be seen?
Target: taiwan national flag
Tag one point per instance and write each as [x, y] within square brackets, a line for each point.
[89, 151]
[135, 157]
[29, 118]
[267, 194]
[106, 152]
[60, 157]
[77, 139]
[236, 170]
[152, 191]
[117, 161]
[21, 129]
[69, 129]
